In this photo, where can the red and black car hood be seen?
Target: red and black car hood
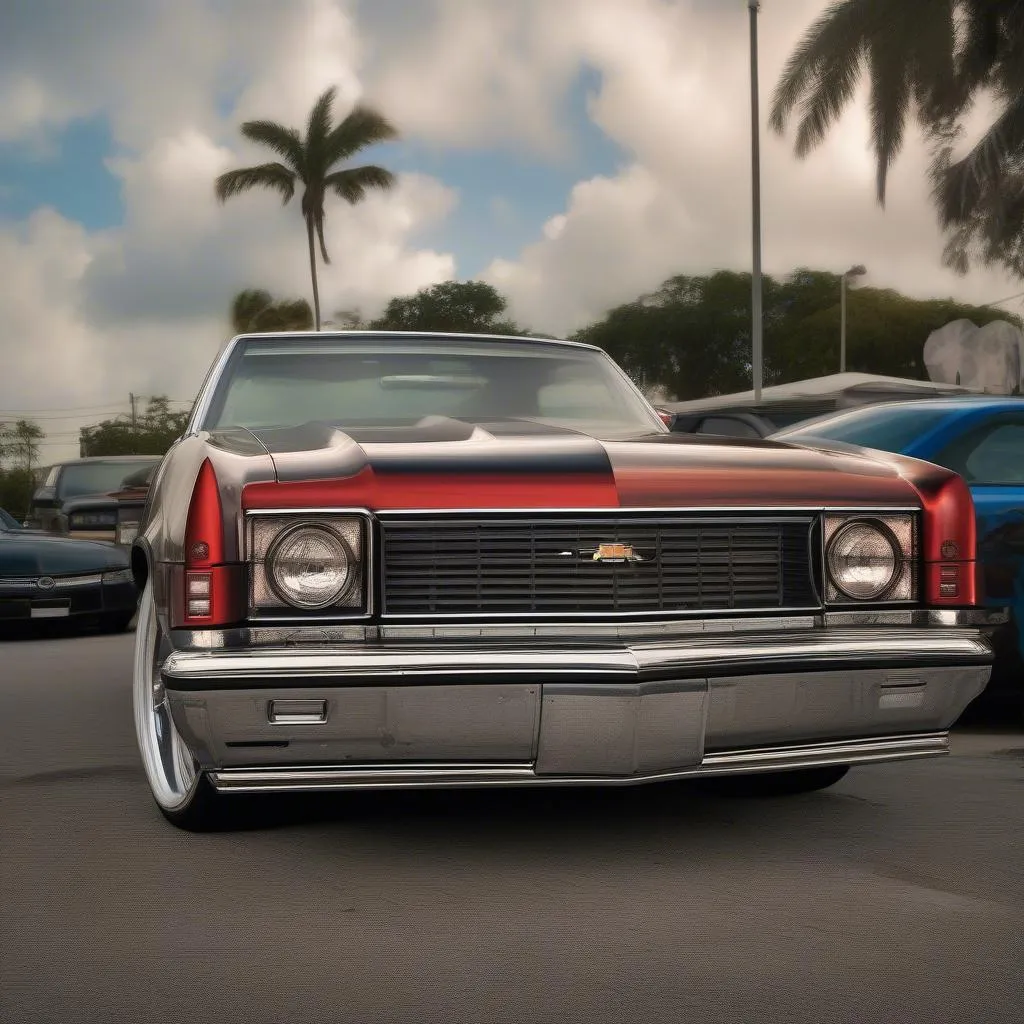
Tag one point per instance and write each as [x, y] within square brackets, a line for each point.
[443, 463]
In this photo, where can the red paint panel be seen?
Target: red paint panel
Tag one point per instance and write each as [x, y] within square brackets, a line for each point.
[380, 491]
[949, 539]
[645, 486]
[205, 525]
[204, 552]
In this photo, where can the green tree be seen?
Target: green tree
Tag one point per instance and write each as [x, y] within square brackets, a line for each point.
[19, 443]
[17, 486]
[312, 162]
[467, 307]
[153, 432]
[255, 310]
[928, 60]
[692, 336]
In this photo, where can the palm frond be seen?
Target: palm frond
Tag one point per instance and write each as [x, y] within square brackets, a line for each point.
[959, 187]
[286, 142]
[364, 126]
[273, 176]
[821, 73]
[246, 307]
[890, 100]
[285, 315]
[353, 183]
[319, 126]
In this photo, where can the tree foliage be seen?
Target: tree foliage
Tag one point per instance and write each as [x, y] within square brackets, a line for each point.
[255, 311]
[471, 307]
[692, 336]
[927, 60]
[313, 161]
[19, 443]
[153, 432]
[19, 456]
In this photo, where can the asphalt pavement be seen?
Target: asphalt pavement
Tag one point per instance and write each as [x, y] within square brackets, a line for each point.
[896, 896]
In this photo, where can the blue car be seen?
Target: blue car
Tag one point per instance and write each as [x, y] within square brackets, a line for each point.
[981, 437]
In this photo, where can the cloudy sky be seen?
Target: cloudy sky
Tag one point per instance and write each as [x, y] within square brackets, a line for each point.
[572, 152]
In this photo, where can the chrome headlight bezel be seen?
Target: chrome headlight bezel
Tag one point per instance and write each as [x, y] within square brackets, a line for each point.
[267, 531]
[899, 531]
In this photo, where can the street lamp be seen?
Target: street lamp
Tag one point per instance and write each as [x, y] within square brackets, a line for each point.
[755, 159]
[858, 271]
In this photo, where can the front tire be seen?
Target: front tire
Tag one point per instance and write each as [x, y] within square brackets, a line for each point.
[181, 791]
[774, 784]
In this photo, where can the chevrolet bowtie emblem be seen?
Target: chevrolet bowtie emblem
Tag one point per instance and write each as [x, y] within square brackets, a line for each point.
[616, 553]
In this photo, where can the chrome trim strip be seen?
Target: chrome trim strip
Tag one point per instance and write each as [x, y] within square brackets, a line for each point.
[919, 617]
[614, 630]
[515, 617]
[305, 634]
[59, 583]
[440, 776]
[894, 647]
[615, 510]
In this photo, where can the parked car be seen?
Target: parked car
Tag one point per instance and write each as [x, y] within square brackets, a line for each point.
[113, 517]
[382, 560]
[982, 439]
[782, 406]
[47, 577]
[729, 423]
[74, 497]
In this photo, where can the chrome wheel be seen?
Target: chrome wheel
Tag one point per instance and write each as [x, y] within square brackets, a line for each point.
[171, 770]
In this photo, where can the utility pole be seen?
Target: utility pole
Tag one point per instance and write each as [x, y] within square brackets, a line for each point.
[131, 398]
[755, 159]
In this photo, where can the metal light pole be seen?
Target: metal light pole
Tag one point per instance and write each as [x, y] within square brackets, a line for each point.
[755, 154]
[858, 271]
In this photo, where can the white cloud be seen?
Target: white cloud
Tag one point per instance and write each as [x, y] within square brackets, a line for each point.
[91, 316]
[677, 99]
[481, 72]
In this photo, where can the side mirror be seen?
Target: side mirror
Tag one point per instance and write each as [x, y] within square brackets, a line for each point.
[666, 417]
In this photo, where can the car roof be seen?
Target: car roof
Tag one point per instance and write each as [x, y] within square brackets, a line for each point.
[106, 458]
[355, 335]
[952, 403]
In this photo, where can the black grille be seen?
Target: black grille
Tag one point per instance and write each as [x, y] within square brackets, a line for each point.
[517, 566]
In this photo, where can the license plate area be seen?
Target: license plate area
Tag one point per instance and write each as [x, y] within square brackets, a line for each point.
[50, 609]
[621, 728]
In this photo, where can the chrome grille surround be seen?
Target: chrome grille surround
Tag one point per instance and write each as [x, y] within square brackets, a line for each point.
[542, 564]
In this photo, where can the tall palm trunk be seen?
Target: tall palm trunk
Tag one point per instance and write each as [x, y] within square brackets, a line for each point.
[312, 274]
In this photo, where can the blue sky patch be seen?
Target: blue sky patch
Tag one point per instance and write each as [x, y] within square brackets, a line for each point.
[68, 174]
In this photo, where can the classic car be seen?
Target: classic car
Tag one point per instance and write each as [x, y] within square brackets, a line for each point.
[380, 560]
[980, 437]
[75, 497]
[47, 577]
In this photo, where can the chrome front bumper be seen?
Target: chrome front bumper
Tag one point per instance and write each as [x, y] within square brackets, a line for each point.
[411, 715]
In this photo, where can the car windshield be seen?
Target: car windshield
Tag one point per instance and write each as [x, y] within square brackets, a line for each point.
[8, 522]
[394, 381]
[887, 428]
[78, 478]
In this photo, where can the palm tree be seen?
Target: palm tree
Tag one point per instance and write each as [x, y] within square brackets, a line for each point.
[312, 162]
[928, 59]
[255, 310]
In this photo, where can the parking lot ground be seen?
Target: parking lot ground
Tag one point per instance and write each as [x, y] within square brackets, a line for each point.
[896, 896]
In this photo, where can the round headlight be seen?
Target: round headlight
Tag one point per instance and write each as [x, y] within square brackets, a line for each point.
[309, 566]
[862, 560]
